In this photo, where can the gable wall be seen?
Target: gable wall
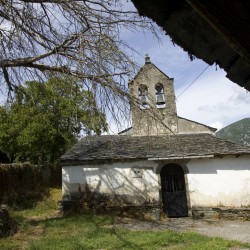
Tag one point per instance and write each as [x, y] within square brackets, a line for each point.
[219, 182]
[185, 126]
[150, 121]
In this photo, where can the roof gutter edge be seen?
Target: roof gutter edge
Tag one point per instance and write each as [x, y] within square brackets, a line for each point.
[182, 157]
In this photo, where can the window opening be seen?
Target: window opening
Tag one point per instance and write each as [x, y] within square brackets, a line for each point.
[160, 98]
[136, 173]
[143, 96]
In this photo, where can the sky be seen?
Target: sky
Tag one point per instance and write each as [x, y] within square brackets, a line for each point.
[212, 99]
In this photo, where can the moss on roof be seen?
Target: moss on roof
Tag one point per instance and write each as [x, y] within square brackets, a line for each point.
[126, 147]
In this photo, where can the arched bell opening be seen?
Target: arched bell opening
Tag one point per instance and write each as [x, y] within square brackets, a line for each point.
[143, 96]
[173, 191]
[159, 96]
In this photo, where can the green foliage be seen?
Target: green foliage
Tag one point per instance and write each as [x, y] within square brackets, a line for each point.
[45, 119]
[238, 132]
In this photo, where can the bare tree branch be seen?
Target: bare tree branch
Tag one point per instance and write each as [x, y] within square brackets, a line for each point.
[7, 78]
[80, 38]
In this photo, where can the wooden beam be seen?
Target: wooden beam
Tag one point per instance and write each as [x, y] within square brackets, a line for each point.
[229, 20]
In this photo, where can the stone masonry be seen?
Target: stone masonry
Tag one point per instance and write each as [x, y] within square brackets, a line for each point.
[153, 120]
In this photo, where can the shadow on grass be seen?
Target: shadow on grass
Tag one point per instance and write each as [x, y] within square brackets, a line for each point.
[28, 200]
[93, 232]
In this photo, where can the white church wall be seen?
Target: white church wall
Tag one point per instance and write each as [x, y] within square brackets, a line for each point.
[134, 181]
[210, 182]
[219, 182]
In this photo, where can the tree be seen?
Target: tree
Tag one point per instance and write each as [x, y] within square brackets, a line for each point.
[45, 119]
[75, 37]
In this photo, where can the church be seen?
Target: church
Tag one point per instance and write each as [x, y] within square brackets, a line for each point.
[163, 161]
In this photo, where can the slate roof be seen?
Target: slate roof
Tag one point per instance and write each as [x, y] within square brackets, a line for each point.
[126, 147]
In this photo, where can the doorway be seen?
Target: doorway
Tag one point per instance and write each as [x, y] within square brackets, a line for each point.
[173, 189]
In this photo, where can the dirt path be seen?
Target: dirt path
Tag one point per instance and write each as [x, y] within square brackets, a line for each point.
[232, 230]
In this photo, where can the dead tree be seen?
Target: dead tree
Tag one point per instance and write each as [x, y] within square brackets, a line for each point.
[79, 38]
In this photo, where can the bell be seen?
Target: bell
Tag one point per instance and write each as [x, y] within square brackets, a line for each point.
[160, 99]
[144, 100]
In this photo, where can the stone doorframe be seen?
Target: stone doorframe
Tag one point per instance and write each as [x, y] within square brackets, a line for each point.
[183, 165]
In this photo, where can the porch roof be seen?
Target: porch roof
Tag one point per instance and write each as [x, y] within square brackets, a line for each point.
[214, 31]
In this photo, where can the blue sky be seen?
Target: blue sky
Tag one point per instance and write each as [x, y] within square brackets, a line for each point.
[212, 99]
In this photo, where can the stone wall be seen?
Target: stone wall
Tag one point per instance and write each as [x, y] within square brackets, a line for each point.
[186, 126]
[153, 119]
[20, 182]
[226, 213]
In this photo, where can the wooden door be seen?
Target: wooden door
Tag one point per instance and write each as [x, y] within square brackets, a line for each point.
[174, 196]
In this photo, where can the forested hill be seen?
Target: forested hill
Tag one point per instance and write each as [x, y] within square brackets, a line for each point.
[238, 132]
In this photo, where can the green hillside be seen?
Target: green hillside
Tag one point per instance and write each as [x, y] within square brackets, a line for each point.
[238, 132]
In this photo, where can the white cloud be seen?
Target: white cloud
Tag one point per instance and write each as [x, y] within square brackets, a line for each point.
[240, 97]
[216, 124]
[214, 100]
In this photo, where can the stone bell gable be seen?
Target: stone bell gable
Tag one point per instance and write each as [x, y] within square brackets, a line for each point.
[155, 113]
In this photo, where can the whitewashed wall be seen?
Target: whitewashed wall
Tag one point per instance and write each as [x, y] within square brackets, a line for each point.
[118, 178]
[210, 182]
[219, 182]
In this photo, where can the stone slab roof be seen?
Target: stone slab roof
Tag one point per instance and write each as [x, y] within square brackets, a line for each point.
[97, 149]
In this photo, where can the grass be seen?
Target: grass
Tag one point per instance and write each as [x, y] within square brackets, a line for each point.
[39, 228]
[44, 208]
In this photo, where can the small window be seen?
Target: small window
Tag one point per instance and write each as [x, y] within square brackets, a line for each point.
[143, 96]
[136, 173]
[159, 96]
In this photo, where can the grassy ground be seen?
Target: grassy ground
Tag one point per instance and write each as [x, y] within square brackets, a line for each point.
[41, 228]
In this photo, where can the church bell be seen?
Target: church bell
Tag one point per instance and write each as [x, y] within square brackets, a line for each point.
[160, 99]
[144, 100]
